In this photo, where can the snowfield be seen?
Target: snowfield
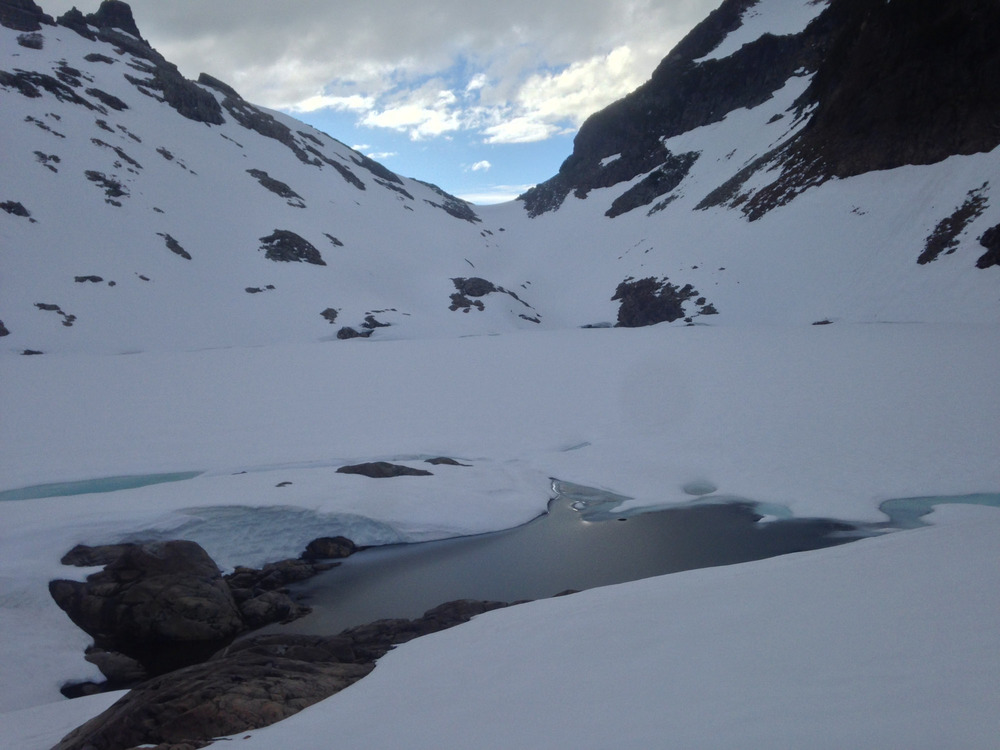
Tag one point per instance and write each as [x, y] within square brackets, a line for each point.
[858, 642]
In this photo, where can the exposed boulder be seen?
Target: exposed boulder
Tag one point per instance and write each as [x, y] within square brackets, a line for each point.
[84, 556]
[255, 682]
[329, 548]
[474, 286]
[164, 604]
[249, 688]
[444, 461]
[286, 246]
[350, 333]
[272, 577]
[382, 470]
[271, 607]
[31, 40]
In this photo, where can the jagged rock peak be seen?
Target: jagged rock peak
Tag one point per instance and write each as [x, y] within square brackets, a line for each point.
[115, 14]
[23, 15]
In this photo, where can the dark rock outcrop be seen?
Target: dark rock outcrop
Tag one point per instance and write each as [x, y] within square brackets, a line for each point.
[84, 556]
[109, 100]
[646, 302]
[383, 470]
[286, 246]
[272, 577]
[247, 689]
[936, 95]
[31, 40]
[277, 187]
[444, 461]
[114, 14]
[944, 237]
[350, 333]
[656, 184]
[174, 246]
[189, 99]
[68, 319]
[451, 205]
[112, 186]
[681, 95]
[74, 20]
[329, 548]
[255, 682]
[23, 15]
[474, 286]
[163, 604]
[991, 241]
[14, 208]
[31, 84]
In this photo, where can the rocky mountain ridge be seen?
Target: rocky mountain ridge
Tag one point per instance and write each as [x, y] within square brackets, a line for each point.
[854, 122]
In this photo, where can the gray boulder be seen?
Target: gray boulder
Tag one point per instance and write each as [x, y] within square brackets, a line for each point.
[243, 689]
[164, 604]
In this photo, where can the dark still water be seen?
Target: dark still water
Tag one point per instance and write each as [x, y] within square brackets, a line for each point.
[556, 552]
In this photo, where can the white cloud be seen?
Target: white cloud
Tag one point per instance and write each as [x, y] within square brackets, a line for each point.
[481, 166]
[354, 103]
[522, 129]
[529, 69]
[513, 72]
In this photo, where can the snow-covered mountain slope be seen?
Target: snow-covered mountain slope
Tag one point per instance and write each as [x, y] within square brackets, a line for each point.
[143, 211]
[148, 227]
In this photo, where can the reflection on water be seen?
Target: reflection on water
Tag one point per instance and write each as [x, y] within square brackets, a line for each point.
[579, 544]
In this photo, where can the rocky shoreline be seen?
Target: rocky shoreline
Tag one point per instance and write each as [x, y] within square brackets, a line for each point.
[253, 683]
[171, 628]
[162, 606]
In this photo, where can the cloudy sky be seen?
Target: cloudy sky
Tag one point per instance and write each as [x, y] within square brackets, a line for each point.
[482, 97]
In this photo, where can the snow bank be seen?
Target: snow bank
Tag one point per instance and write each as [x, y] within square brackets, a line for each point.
[889, 642]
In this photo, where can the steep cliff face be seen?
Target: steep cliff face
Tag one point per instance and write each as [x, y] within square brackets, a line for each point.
[899, 83]
[893, 83]
[683, 93]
